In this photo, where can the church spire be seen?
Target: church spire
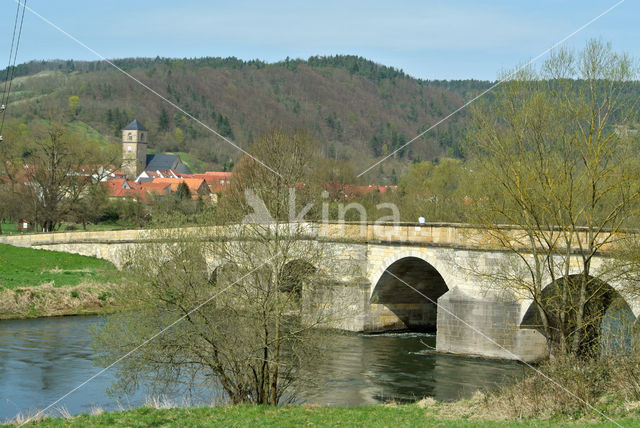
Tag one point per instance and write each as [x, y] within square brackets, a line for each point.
[134, 149]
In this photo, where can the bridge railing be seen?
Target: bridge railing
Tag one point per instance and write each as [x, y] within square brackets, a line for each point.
[431, 234]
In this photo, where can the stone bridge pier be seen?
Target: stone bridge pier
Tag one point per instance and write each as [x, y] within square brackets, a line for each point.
[417, 277]
[432, 289]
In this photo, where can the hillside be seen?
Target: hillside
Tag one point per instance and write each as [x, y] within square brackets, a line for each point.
[358, 110]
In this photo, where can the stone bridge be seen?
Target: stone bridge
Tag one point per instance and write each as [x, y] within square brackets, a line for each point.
[417, 276]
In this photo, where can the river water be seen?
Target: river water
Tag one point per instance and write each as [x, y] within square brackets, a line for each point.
[43, 359]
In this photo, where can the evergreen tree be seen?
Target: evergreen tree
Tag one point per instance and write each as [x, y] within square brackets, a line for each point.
[183, 192]
[163, 120]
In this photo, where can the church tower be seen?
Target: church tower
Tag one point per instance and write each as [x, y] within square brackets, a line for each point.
[134, 149]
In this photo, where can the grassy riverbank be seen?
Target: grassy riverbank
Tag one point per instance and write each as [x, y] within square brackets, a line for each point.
[36, 283]
[438, 414]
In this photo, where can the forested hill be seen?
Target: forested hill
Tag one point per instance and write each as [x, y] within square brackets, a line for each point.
[358, 110]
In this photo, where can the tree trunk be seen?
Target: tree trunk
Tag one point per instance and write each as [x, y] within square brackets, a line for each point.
[263, 387]
[276, 356]
[577, 338]
[547, 329]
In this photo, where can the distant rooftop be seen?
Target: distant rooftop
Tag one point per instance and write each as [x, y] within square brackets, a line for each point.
[135, 126]
[164, 162]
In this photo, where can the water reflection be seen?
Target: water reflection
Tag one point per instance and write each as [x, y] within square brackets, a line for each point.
[368, 369]
[40, 360]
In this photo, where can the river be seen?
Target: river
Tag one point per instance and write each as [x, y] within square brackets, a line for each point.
[42, 359]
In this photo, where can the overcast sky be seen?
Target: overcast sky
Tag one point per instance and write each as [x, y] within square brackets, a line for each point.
[454, 39]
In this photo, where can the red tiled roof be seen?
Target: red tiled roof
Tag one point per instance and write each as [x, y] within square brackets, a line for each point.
[156, 188]
[128, 193]
[212, 176]
[115, 183]
[217, 181]
[194, 184]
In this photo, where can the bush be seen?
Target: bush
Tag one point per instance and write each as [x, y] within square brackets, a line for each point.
[572, 386]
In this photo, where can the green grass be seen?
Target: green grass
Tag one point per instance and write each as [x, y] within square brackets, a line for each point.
[23, 267]
[100, 226]
[88, 132]
[293, 416]
[12, 228]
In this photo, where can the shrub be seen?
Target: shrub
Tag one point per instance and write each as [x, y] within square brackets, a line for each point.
[572, 386]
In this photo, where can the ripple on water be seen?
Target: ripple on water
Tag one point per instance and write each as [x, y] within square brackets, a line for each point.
[40, 360]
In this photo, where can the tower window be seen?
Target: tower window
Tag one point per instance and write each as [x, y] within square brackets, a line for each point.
[129, 136]
[128, 148]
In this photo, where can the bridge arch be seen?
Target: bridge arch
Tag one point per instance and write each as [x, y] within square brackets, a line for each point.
[409, 287]
[611, 324]
[225, 272]
[184, 263]
[294, 275]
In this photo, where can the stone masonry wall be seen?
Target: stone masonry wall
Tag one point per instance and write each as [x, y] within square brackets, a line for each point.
[464, 311]
[485, 326]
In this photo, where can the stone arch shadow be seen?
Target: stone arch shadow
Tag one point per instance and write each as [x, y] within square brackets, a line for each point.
[612, 322]
[186, 264]
[292, 276]
[295, 276]
[408, 287]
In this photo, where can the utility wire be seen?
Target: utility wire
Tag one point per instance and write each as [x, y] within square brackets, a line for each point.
[13, 38]
[150, 89]
[11, 65]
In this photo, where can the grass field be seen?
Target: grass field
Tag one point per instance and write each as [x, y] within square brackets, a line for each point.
[89, 133]
[294, 416]
[11, 228]
[22, 267]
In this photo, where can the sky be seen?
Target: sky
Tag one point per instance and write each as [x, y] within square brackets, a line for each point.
[454, 39]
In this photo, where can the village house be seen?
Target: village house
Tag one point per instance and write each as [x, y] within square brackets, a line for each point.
[135, 159]
[197, 186]
[160, 174]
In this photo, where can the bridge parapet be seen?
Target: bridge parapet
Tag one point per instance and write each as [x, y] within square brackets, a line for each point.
[459, 235]
[430, 234]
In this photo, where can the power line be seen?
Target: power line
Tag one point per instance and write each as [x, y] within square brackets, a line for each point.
[13, 38]
[11, 65]
[150, 89]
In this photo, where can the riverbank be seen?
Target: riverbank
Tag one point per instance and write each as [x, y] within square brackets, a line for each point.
[40, 283]
[424, 413]
[49, 301]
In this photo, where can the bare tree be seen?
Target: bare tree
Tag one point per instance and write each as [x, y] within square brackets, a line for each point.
[12, 172]
[556, 165]
[239, 290]
[60, 166]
